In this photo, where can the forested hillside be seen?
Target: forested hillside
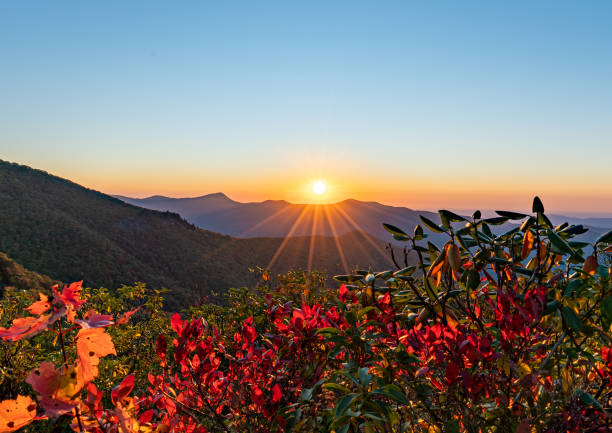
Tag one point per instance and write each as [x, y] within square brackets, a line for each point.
[61, 229]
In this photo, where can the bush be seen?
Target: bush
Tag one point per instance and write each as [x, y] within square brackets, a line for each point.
[492, 332]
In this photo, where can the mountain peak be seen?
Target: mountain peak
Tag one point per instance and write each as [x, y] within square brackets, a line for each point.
[217, 195]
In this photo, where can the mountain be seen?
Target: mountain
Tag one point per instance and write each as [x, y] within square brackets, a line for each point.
[12, 274]
[68, 232]
[221, 214]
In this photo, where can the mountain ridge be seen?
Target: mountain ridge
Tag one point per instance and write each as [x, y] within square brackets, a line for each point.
[281, 218]
[69, 232]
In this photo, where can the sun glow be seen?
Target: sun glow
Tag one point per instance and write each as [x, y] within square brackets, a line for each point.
[319, 187]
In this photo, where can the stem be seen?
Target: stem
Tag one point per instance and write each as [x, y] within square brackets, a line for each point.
[63, 346]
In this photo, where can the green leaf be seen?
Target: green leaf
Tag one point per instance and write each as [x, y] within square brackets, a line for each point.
[543, 220]
[523, 271]
[343, 404]
[344, 429]
[384, 275]
[409, 270]
[571, 318]
[606, 238]
[575, 230]
[496, 220]
[527, 223]
[487, 230]
[348, 278]
[394, 393]
[337, 388]
[589, 399]
[418, 232]
[329, 331]
[551, 306]
[364, 376]
[572, 286]
[452, 426]
[395, 230]
[473, 279]
[350, 317]
[451, 216]
[431, 225]
[537, 205]
[511, 215]
[476, 215]
[364, 311]
[559, 243]
[307, 394]
[606, 310]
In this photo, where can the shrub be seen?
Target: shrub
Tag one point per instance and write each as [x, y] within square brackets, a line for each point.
[491, 332]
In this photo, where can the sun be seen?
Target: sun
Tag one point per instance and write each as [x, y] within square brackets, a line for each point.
[319, 187]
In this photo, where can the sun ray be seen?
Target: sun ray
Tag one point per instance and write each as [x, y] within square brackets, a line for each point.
[364, 251]
[313, 235]
[287, 236]
[366, 235]
[336, 240]
[265, 220]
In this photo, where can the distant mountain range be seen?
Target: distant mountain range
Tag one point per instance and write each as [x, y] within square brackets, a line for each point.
[58, 228]
[219, 213]
[278, 218]
[191, 246]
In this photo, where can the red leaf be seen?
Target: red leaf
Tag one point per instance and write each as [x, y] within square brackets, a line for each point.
[160, 348]
[277, 394]
[524, 427]
[248, 332]
[123, 389]
[54, 407]
[177, 323]
[71, 295]
[452, 372]
[44, 379]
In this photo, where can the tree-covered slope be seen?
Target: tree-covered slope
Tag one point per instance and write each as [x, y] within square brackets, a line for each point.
[61, 229]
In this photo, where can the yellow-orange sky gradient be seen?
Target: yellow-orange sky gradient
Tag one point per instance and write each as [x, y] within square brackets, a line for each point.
[410, 191]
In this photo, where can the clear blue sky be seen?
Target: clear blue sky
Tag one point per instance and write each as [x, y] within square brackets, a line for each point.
[419, 103]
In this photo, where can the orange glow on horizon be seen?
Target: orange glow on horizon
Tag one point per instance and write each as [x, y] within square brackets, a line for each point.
[297, 187]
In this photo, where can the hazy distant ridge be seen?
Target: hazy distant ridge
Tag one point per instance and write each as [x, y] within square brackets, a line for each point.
[219, 213]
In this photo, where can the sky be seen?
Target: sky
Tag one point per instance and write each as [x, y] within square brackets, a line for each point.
[421, 104]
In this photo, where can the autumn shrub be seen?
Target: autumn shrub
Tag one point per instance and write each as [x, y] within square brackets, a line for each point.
[497, 330]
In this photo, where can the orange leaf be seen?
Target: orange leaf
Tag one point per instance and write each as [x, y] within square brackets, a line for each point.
[91, 345]
[57, 388]
[126, 316]
[590, 265]
[17, 413]
[454, 257]
[41, 306]
[528, 241]
[25, 327]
